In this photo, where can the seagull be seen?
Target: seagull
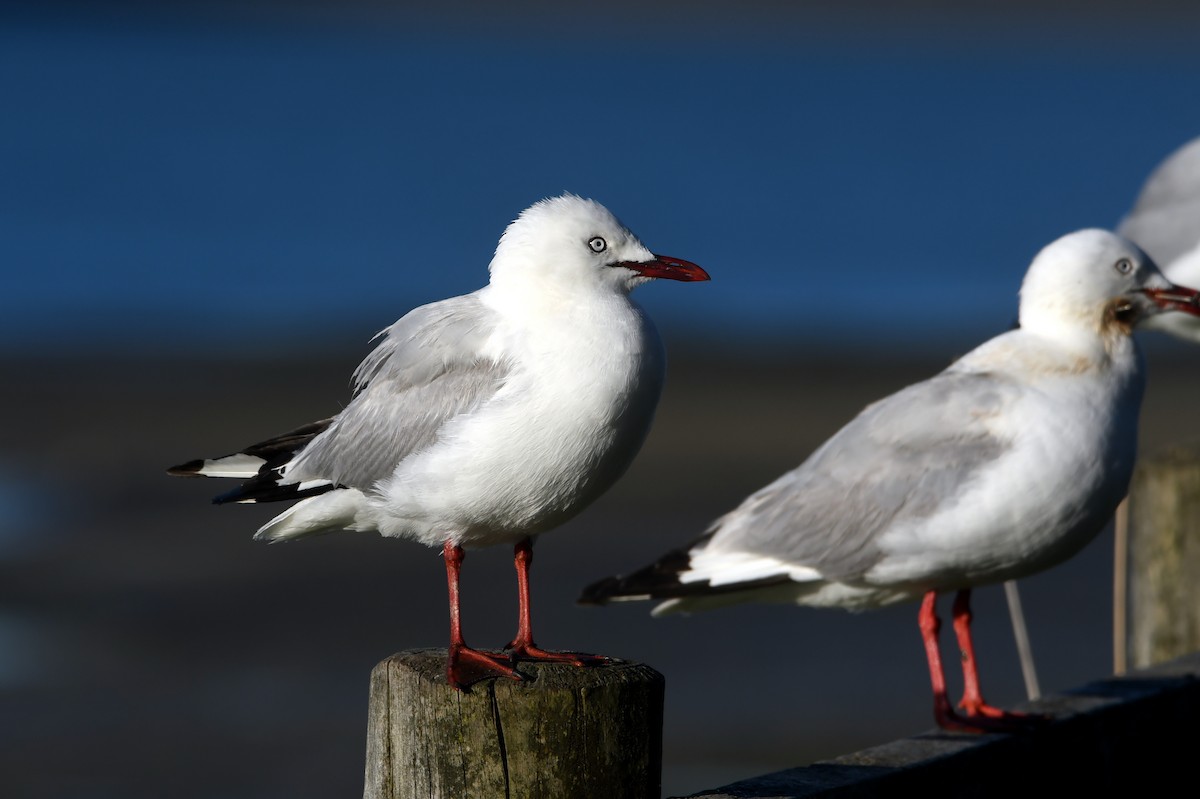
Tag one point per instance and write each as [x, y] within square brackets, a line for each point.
[1006, 463]
[487, 418]
[1165, 221]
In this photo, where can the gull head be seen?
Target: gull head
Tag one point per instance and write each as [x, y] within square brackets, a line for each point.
[576, 243]
[1098, 281]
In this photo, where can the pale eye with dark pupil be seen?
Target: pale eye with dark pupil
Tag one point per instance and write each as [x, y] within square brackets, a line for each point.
[1124, 266]
[597, 244]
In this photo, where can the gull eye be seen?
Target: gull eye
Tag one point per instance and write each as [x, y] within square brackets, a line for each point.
[597, 244]
[1124, 266]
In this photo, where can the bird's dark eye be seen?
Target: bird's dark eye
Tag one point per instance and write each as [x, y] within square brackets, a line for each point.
[1124, 266]
[597, 244]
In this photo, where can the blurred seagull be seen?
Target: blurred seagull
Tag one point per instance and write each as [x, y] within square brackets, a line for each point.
[487, 418]
[1006, 463]
[1165, 222]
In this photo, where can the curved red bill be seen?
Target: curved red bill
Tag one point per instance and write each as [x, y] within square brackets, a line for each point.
[1176, 298]
[667, 267]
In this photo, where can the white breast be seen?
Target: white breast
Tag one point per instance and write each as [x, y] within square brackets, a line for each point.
[565, 426]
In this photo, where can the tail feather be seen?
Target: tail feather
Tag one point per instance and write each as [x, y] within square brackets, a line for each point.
[261, 465]
[332, 512]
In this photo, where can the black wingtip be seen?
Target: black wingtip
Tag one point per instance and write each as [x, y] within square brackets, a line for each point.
[600, 592]
[659, 580]
[233, 495]
[265, 485]
[189, 469]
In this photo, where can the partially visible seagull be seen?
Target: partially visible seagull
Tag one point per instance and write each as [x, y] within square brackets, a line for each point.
[1165, 222]
[487, 418]
[1006, 463]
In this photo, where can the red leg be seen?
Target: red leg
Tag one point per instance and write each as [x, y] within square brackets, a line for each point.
[972, 701]
[980, 717]
[522, 647]
[930, 626]
[465, 665]
[977, 710]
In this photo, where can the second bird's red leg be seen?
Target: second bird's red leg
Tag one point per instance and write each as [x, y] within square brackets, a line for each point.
[522, 647]
[973, 704]
[930, 626]
[979, 716]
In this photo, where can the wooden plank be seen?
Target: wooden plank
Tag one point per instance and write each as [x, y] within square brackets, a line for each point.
[1134, 735]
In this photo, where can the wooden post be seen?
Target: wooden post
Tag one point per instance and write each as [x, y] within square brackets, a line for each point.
[1164, 557]
[567, 731]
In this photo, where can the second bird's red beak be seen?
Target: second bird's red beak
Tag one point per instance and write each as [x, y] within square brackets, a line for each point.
[1176, 298]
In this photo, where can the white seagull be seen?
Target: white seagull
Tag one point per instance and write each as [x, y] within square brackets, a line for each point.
[1006, 463]
[487, 418]
[1165, 222]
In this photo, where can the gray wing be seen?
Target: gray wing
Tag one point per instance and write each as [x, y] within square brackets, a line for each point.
[897, 461]
[1165, 220]
[428, 369]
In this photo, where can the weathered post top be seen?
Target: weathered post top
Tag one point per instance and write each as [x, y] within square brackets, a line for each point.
[566, 731]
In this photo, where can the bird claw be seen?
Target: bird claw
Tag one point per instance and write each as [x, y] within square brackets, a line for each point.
[466, 666]
[528, 652]
[984, 718]
[1013, 720]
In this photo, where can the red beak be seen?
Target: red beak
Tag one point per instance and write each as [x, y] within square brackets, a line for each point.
[1176, 298]
[668, 267]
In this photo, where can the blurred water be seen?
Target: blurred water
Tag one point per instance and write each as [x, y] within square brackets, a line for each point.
[183, 181]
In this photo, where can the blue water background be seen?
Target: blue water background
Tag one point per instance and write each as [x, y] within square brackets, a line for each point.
[193, 180]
